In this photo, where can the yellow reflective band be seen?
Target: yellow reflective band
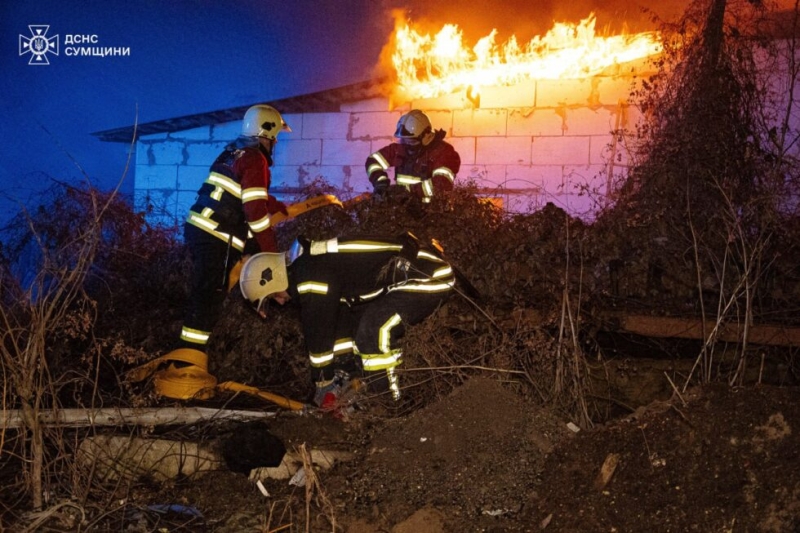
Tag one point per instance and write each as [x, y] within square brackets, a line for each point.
[446, 172]
[226, 183]
[312, 287]
[442, 272]
[368, 246]
[427, 188]
[422, 254]
[320, 359]
[209, 226]
[394, 385]
[343, 346]
[424, 287]
[381, 160]
[254, 193]
[384, 335]
[216, 194]
[195, 336]
[375, 168]
[259, 225]
[371, 295]
[381, 361]
[405, 179]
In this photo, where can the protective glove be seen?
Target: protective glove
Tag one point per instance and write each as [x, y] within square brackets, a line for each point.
[276, 206]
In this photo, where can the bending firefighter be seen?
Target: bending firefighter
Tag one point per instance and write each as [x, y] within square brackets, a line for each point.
[233, 210]
[425, 164]
[356, 295]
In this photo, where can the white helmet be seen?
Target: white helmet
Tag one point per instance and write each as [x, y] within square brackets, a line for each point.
[414, 127]
[263, 121]
[262, 275]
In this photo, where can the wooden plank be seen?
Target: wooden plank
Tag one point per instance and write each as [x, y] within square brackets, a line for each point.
[692, 328]
[117, 416]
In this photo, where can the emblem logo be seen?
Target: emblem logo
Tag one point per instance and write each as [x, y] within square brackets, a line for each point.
[38, 45]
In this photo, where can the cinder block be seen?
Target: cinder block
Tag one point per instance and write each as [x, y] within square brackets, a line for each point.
[190, 178]
[167, 153]
[441, 120]
[519, 95]
[446, 102]
[183, 202]
[295, 122]
[202, 153]
[585, 180]
[479, 122]
[557, 93]
[338, 152]
[611, 90]
[142, 155]
[203, 133]
[374, 125]
[299, 152]
[589, 121]
[465, 146]
[339, 176]
[290, 176]
[483, 176]
[610, 149]
[373, 104]
[161, 206]
[503, 150]
[538, 122]
[325, 126]
[227, 131]
[560, 150]
[163, 177]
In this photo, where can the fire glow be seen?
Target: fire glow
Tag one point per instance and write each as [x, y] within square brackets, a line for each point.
[428, 66]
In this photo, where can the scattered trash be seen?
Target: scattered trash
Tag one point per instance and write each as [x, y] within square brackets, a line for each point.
[299, 478]
[606, 471]
[262, 488]
[175, 508]
[423, 439]
[292, 462]
[572, 427]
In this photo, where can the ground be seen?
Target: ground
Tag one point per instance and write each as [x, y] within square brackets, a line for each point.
[483, 458]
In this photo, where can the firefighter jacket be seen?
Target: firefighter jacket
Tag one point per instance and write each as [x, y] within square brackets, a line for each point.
[424, 170]
[234, 202]
[340, 276]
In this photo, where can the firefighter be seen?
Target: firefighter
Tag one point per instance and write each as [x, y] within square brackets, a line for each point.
[425, 164]
[230, 217]
[356, 296]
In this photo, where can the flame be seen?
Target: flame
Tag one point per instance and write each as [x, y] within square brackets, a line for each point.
[430, 66]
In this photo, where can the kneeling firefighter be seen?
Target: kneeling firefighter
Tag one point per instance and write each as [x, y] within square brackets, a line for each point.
[356, 296]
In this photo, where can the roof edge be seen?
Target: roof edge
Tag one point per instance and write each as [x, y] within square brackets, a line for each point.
[324, 101]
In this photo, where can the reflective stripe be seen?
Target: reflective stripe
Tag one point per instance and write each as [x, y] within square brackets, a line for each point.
[427, 188]
[374, 167]
[385, 333]
[320, 359]
[195, 336]
[368, 246]
[446, 172]
[442, 272]
[260, 225]
[424, 287]
[381, 160]
[405, 179]
[210, 226]
[217, 179]
[381, 361]
[254, 193]
[422, 254]
[343, 346]
[394, 384]
[312, 287]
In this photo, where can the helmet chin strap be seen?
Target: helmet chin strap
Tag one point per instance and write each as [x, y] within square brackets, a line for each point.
[267, 145]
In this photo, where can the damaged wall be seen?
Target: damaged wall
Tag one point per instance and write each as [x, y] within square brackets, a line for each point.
[536, 142]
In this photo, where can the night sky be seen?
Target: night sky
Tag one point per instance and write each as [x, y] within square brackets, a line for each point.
[203, 55]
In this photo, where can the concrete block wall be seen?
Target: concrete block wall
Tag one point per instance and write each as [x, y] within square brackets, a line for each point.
[559, 141]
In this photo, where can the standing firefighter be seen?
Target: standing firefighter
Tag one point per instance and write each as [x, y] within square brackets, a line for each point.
[357, 295]
[425, 164]
[232, 210]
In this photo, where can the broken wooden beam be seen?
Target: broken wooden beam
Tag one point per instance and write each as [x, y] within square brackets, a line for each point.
[117, 416]
[695, 328]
